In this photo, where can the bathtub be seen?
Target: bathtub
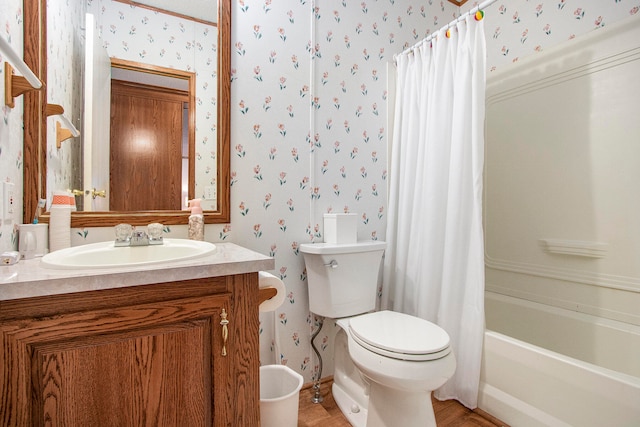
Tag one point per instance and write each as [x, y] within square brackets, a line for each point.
[547, 366]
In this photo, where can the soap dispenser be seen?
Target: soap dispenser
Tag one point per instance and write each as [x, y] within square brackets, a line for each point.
[196, 220]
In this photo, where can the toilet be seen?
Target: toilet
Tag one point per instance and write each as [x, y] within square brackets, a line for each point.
[386, 364]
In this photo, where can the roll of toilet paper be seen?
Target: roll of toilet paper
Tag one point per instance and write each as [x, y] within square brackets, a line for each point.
[268, 280]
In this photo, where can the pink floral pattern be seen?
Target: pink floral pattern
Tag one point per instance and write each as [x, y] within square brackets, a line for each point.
[309, 122]
[522, 27]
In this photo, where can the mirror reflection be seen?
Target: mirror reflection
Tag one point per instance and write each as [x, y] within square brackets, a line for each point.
[149, 38]
[151, 143]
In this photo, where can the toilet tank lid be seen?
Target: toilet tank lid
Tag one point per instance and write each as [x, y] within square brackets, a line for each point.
[335, 248]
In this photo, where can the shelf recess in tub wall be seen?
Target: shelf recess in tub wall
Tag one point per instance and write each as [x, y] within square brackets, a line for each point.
[575, 247]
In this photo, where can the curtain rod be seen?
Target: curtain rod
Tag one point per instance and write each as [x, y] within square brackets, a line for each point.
[474, 9]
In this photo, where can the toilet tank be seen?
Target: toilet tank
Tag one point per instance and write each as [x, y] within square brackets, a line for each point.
[342, 278]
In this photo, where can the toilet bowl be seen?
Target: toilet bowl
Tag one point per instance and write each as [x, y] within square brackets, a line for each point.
[400, 351]
[386, 364]
[393, 388]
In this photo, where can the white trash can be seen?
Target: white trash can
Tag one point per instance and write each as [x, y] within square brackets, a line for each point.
[279, 396]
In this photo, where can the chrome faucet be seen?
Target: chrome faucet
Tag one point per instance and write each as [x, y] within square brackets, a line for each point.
[126, 235]
[139, 238]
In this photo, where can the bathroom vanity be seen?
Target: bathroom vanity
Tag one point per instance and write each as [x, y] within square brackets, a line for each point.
[173, 344]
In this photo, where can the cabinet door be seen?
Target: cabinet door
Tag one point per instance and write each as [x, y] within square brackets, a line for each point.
[140, 365]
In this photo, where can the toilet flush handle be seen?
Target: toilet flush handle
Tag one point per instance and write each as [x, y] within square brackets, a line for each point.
[333, 264]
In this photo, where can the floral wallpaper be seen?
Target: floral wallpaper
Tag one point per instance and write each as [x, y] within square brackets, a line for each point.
[515, 29]
[65, 53]
[142, 35]
[310, 127]
[11, 156]
[309, 136]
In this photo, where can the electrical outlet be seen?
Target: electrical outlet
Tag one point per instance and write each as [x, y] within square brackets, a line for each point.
[8, 200]
[210, 192]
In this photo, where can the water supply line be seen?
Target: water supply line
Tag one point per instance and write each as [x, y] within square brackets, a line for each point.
[317, 398]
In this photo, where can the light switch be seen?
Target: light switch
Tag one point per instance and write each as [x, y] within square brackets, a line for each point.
[210, 192]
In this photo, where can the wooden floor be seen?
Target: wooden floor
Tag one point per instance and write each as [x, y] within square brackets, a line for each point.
[449, 413]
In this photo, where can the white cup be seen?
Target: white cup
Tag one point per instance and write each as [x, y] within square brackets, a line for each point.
[32, 240]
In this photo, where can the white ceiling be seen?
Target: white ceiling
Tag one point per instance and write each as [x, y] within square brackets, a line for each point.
[202, 9]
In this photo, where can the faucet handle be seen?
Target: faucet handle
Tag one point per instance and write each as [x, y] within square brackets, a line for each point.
[154, 230]
[123, 233]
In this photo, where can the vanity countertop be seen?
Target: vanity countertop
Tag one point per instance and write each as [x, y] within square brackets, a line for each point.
[28, 278]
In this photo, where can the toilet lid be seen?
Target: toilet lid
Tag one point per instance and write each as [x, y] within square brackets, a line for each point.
[400, 336]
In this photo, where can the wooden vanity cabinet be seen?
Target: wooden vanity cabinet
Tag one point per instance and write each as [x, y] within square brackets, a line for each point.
[149, 355]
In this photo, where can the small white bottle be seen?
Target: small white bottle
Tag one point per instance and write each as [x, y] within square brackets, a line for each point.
[196, 220]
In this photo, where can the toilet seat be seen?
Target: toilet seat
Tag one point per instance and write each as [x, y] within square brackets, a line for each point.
[399, 336]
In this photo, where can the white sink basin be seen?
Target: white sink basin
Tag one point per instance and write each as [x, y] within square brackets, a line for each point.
[105, 255]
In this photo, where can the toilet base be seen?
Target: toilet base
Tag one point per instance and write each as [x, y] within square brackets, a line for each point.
[392, 407]
[386, 407]
[353, 412]
[350, 391]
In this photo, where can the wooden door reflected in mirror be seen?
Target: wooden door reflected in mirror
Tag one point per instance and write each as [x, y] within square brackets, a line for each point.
[146, 149]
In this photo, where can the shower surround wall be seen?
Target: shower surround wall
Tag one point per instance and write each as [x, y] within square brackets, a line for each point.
[263, 217]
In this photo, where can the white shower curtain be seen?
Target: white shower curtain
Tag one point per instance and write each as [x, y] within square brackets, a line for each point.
[434, 263]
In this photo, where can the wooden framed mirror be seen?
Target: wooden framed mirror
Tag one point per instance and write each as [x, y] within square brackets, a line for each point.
[35, 131]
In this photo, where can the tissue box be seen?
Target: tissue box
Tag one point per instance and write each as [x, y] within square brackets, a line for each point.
[340, 228]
